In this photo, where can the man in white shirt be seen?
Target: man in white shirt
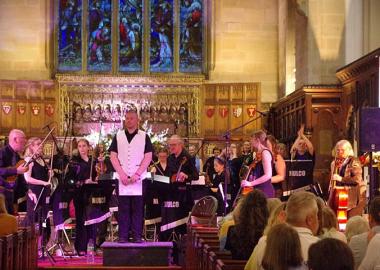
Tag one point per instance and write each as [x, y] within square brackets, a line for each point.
[359, 243]
[302, 214]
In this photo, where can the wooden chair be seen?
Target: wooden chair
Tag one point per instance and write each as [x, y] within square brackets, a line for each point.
[230, 264]
[1, 253]
[7, 262]
[203, 212]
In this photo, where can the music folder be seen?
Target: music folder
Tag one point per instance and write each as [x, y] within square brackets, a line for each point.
[299, 176]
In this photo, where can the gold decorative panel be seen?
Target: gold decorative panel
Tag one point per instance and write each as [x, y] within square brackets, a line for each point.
[166, 102]
[233, 105]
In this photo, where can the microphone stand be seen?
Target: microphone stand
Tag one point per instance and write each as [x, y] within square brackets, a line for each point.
[227, 138]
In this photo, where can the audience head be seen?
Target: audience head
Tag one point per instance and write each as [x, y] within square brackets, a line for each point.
[356, 225]
[330, 253]
[176, 145]
[272, 204]
[33, 147]
[3, 208]
[17, 140]
[302, 211]
[276, 216]
[374, 212]
[283, 248]
[253, 209]
[329, 219]
[343, 149]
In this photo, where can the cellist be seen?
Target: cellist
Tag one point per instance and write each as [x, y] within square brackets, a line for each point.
[346, 171]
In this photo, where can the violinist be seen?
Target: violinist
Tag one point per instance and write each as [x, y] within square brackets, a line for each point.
[9, 157]
[178, 201]
[37, 177]
[208, 167]
[103, 164]
[346, 171]
[218, 188]
[260, 176]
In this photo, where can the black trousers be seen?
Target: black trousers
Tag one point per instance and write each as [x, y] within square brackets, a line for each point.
[130, 216]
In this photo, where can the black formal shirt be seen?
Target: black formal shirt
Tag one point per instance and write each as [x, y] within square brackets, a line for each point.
[188, 167]
[8, 159]
[148, 143]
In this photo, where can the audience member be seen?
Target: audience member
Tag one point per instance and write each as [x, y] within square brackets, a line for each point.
[276, 216]
[330, 225]
[331, 254]
[371, 260]
[358, 243]
[283, 249]
[302, 214]
[8, 223]
[250, 224]
[356, 225]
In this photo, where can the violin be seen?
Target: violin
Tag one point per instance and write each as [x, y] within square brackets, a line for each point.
[175, 177]
[21, 162]
[251, 177]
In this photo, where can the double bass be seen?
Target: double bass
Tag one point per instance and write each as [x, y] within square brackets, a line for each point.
[338, 195]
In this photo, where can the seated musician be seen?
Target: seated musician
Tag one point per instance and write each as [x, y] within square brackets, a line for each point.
[9, 157]
[346, 171]
[208, 167]
[218, 188]
[302, 148]
[261, 174]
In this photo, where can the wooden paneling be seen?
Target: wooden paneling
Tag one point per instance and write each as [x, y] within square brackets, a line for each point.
[32, 104]
[319, 108]
[228, 106]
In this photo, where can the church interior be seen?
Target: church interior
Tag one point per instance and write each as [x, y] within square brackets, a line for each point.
[212, 72]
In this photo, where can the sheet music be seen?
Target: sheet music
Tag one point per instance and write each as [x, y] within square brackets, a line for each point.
[132, 189]
[161, 178]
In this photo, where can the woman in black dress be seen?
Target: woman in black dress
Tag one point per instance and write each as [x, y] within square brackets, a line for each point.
[84, 175]
[37, 178]
[218, 188]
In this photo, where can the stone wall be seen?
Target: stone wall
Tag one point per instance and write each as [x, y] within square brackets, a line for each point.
[25, 35]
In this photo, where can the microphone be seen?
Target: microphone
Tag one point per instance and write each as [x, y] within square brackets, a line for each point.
[47, 125]
[262, 113]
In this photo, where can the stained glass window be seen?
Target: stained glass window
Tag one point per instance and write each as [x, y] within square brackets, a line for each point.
[99, 51]
[70, 35]
[191, 25]
[161, 36]
[130, 35]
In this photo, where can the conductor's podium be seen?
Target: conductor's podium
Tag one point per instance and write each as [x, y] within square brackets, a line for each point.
[137, 254]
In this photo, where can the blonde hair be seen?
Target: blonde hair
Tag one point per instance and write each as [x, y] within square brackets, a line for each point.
[31, 142]
[274, 217]
[261, 136]
[356, 225]
[329, 219]
[347, 145]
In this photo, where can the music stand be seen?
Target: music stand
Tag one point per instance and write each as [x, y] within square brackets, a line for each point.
[42, 224]
[299, 176]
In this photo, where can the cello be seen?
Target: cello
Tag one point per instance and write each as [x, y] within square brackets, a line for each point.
[338, 195]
